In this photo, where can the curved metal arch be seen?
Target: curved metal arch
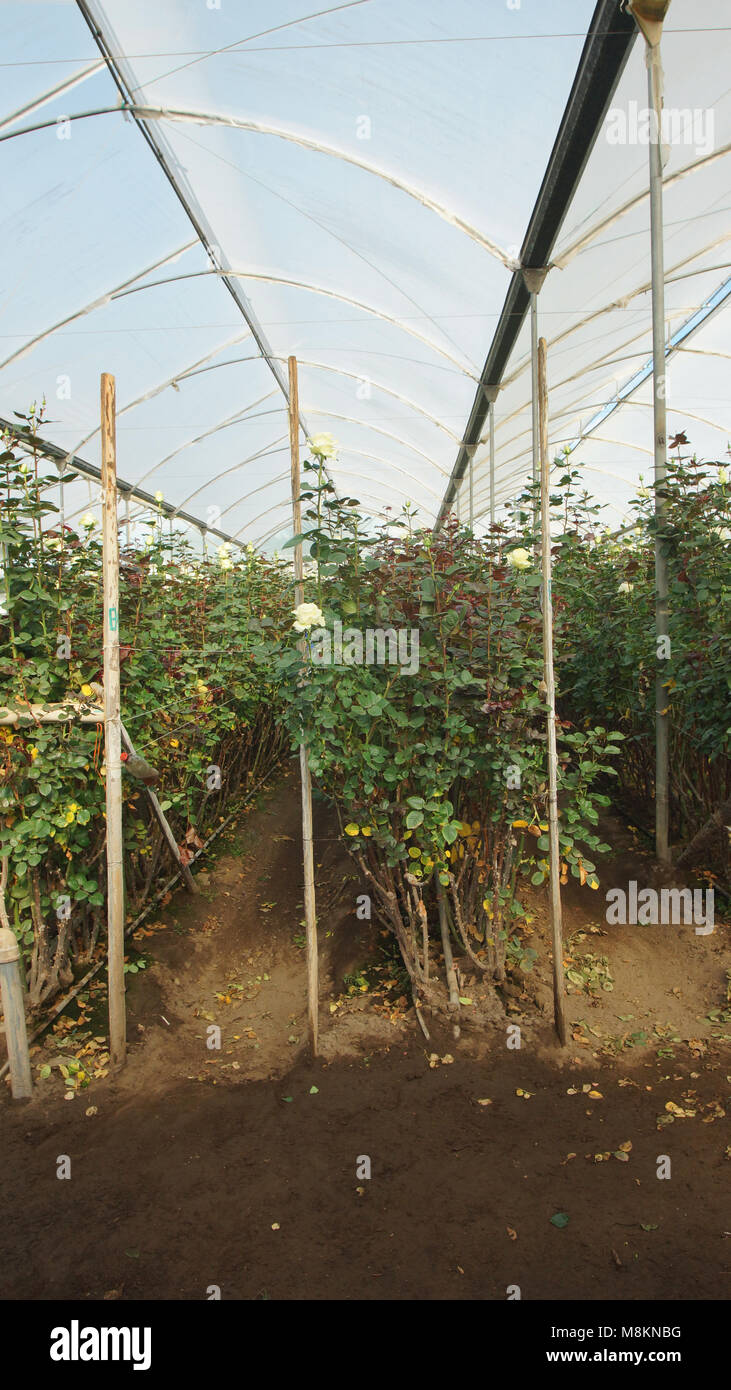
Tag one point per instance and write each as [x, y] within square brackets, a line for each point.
[310, 288]
[326, 367]
[562, 259]
[198, 370]
[65, 86]
[286, 502]
[158, 390]
[379, 386]
[336, 472]
[620, 303]
[596, 365]
[366, 352]
[266, 452]
[238, 418]
[97, 303]
[365, 424]
[206, 118]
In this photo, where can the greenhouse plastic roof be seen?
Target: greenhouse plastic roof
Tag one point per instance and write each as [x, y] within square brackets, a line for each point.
[351, 186]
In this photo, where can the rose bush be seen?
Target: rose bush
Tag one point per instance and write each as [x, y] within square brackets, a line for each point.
[607, 654]
[199, 700]
[439, 772]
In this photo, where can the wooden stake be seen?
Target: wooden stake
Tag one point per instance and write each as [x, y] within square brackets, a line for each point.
[112, 728]
[11, 992]
[559, 989]
[307, 849]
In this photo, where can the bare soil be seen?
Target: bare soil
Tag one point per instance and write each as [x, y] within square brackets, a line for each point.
[242, 1167]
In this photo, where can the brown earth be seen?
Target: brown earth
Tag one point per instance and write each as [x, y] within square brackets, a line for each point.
[200, 1167]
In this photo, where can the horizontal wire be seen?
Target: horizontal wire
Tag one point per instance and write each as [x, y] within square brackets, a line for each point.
[352, 43]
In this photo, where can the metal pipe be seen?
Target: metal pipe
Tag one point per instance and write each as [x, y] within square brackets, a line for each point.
[492, 463]
[472, 492]
[662, 730]
[535, 426]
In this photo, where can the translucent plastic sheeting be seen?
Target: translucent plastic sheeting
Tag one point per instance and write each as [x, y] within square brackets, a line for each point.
[595, 307]
[364, 175]
[371, 235]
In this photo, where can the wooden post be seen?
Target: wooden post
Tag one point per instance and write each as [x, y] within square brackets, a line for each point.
[559, 988]
[307, 848]
[112, 728]
[11, 991]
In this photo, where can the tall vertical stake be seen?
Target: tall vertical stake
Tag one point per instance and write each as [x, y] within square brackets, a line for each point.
[559, 992]
[662, 730]
[112, 727]
[535, 395]
[492, 463]
[472, 491]
[11, 993]
[307, 848]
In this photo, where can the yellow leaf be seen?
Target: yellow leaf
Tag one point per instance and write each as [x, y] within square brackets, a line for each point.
[351, 829]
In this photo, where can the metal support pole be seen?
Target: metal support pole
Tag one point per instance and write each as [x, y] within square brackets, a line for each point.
[472, 491]
[307, 847]
[534, 400]
[492, 463]
[112, 727]
[559, 987]
[662, 721]
[533, 278]
[126, 520]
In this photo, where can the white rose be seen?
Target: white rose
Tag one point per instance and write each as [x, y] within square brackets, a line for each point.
[723, 532]
[519, 559]
[88, 520]
[625, 587]
[307, 615]
[159, 497]
[324, 446]
[723, 475]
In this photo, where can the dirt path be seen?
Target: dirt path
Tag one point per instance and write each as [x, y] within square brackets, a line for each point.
[242, 1167]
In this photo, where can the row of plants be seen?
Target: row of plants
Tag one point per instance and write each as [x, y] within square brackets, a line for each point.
[608, 656]
[436, 762]
[200, 701]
